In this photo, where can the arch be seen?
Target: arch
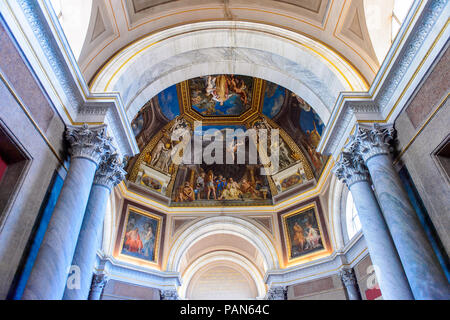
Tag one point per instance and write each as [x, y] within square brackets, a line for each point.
[305, 66]
[222, 258]
[223, 225]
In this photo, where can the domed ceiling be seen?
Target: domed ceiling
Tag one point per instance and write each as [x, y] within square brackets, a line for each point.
[177, 128]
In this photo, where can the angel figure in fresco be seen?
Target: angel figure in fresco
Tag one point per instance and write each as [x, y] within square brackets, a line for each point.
[299, 237]
[133, 242]
[164, 159]
[239, 87]
[233, 147]
[149, 240]
[218, 89]
[210, 187]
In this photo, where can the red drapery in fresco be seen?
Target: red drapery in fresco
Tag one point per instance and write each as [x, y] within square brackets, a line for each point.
[3, 167]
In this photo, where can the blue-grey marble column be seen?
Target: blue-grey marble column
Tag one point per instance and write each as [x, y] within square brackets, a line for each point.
[109, 174]
[99, 282]
[351, 285]
[425, 275]
[391, 276]
[48, 278]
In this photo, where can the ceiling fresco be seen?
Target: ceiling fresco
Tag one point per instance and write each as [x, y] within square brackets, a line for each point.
[225, 103]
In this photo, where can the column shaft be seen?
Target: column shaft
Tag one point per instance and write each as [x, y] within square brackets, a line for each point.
[391, 276]
[88, 242]
[426, 277]
[49, 275]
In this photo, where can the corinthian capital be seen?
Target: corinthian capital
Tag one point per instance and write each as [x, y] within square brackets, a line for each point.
[373, 140]
[277, 293]
[110, 172]
[350, 168]
[89, 142]
[348, 277]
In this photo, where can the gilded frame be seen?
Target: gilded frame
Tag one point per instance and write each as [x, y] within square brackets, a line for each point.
[157, 244]
[287, 238]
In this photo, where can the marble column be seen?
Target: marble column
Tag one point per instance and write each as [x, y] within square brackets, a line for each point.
[277, 293]
[48, 278]
[169, 294]
[351, 285]
[425, 275]
[98, 283]
[391, 276]
[109, 174]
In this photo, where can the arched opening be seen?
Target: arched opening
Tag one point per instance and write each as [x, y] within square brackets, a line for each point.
[222, 243]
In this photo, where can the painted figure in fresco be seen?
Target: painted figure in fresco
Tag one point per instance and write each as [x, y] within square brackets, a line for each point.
[221, 184]
[200, 185]
[233, 147]
[248, 189]
[133, 242]
[149, 240]
[299, 237]
[232, 191]
[186, 193]
[210, 187]
[312, 236]
[165, 159]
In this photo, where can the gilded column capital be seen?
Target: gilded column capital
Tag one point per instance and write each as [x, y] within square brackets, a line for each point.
[373, 140]
[348, 277]
[110, 172]
[351, 168]
[89, 142]
[277, 293]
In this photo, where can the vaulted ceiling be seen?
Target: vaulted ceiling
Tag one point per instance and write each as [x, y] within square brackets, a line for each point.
[340, 24]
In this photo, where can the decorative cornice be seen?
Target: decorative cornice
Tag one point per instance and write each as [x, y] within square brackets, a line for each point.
[348, 277]
[110, 172]
[89, 142]
[43, 34]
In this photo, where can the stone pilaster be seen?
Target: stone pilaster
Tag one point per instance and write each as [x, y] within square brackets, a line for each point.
[422, 268]
[109, 174]
[88, 145]
[392, 279]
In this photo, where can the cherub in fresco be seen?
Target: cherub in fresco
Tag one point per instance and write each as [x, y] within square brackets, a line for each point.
[218, 88]
[210, 187]
[239, 87]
